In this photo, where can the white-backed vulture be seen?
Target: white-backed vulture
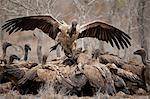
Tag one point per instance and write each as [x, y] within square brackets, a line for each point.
[125, 74]
[120, 84]
[146, 62]
[133, 81]
[10, 71]
[99, 77]
[5, 45]
[28, 82]
[105, 58]
[98, 74]
[67, 35]
[134, 68]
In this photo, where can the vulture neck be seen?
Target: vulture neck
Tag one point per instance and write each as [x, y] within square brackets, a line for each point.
[4, 51]
[44, 59]
[73, 31]
[39, 53]
[143, 56]
[11, 59]
[26, 55]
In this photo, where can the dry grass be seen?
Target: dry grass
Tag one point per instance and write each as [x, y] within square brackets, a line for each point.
[47, 92]
[57, 96]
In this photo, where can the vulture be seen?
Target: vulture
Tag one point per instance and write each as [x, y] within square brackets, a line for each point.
[9, 71]
[106, 58]
[5, 45]
[66, 35]
[146, 62]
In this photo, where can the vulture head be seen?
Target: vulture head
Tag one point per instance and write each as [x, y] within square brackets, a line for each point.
[27, 47]
[12, 58]
[74, 24]
[143, 55]
[140, 52]
[6, 44]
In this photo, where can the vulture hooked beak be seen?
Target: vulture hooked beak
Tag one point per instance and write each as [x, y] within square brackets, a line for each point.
[135, 53]
[139, 52]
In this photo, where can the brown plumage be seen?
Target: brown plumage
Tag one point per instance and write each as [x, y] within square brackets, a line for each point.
[146, 62]
[13, 73]
[125, 74]
[46, 23]
[10, 71]
[105, 58]
[66, 36]
[133, 82]
[27, 84]
[119, 83]
[99, 77]
[134, 68]
[98, 74]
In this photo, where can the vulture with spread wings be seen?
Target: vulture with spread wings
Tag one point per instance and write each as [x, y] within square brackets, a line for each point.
[67, 35]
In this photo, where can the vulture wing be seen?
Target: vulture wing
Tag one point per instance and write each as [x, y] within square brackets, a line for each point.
[47, 24]
[105, 32]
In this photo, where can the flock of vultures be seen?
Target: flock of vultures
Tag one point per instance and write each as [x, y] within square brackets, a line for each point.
[78, 72]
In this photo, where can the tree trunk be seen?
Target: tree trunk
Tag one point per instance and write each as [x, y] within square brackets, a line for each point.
[140, 20]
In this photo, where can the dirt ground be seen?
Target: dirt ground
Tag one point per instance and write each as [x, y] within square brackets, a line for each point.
[11, 96]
